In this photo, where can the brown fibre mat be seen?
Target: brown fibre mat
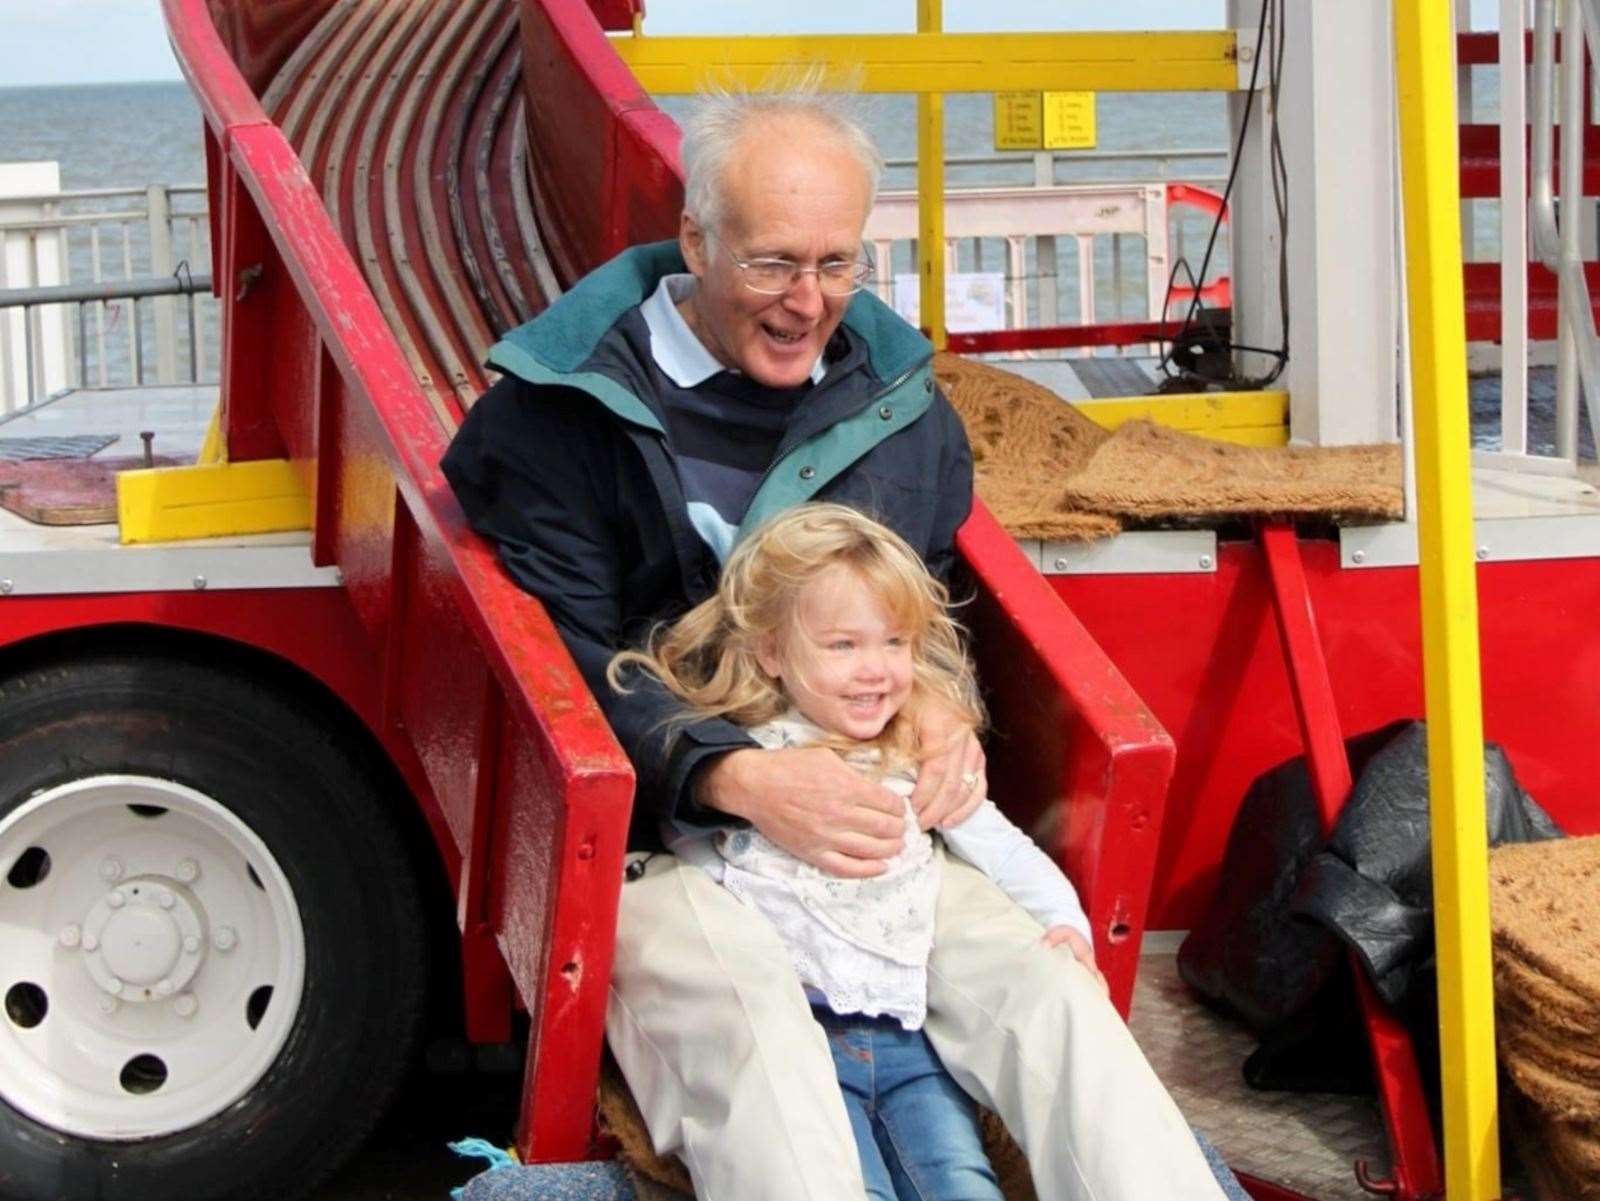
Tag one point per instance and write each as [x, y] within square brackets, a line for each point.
[1547, 1006]
[1026, 441]
[621, 1119]
[1047, 471]
[1547, 910]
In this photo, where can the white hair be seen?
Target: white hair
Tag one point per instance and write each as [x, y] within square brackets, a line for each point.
[723, 116]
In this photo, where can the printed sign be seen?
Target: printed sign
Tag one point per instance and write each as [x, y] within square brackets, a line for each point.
[1069, 121]
[1018, 121]
[973, 300]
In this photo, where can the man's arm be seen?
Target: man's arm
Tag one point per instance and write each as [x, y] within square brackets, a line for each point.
[952, 783]
[531, 473]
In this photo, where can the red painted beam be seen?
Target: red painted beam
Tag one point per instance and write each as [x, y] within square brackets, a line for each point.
[1078, 748]
[1417, 1172]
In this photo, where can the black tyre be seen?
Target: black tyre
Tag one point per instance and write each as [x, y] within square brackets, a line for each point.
[216, 964]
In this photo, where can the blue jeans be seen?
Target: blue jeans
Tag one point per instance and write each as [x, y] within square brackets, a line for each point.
[916, 1130]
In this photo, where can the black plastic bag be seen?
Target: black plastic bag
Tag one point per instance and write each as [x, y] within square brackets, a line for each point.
[1272, 947]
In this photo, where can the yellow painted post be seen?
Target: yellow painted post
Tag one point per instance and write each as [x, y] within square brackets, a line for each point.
[930, 190]
[1425, 43]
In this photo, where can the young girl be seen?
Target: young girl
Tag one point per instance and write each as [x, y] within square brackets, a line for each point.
[826, 629]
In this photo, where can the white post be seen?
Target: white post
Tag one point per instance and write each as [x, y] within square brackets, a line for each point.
[1336, 113]
[161, 264]
[31, 259]
[1464, 110]
[1513, 230]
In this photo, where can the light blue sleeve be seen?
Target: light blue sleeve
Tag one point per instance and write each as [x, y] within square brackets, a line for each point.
[997, 848]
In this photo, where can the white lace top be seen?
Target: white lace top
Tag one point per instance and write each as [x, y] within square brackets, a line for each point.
[864, 944]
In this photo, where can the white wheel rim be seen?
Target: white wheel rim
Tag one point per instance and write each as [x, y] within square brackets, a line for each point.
[134, 969]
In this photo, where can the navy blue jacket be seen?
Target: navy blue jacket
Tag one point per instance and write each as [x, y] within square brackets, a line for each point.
[564, 464]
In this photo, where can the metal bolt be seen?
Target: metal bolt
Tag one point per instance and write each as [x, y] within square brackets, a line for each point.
[164, 988]
[6, 586]
[1205, 562]
[1358, 557]
[70, 935]
[148, 437]
[110, 869]
[808, 472]
[91, 943]
[1247, 54]
[107, 1004]
[188, 871]
[1061, 564]
[225, 938]
[116, 898]
[165, 899]
[199, 583]
[1483, 552]
[191, 945]
[114, 986]
[185, 1004]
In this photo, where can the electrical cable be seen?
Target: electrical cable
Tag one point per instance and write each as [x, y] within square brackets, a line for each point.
[1270, 42]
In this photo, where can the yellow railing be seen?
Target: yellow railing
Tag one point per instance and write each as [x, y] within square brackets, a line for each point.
[1425, 43]
[930, 63]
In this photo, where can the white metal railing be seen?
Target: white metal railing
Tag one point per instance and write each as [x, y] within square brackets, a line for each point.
[1120, 234]
[1546, 221]
[1015, 231]
[104, 236]
[1556, 233]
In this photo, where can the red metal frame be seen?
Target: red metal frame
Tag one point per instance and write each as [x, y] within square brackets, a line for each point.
[467, 661]
[1417, 1172]
[1096, 757]
[1051, 337]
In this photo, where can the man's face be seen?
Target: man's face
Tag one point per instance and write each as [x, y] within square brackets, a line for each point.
[789, 191]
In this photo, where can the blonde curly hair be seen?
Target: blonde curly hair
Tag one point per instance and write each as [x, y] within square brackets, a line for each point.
[709, 657]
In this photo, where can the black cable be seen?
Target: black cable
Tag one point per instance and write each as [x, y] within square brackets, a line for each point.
[1271, 47]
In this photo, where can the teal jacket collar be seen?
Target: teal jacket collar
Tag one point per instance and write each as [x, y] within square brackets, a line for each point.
[561, 340]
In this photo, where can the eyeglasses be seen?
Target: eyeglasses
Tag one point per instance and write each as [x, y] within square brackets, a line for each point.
[774, 277]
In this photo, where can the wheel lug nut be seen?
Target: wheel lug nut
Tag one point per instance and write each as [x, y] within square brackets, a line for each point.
[164, 988]
[185, 1004]
[70, 936]
[165, 899]
[117, 898]
[188, 871]
[114, 987]
[191, 945]
[107, 1004]
[91, 943]
[225, 938]
[110, 869]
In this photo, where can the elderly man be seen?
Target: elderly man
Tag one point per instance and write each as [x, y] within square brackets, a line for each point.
[666, 405]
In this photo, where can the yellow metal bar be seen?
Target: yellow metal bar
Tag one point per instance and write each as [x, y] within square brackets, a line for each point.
[1248, 418]
[1201, 61]
[930, 190]
[1425, 44]
[165, 504]
[215, 448]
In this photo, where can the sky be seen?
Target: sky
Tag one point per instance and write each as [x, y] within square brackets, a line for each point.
[118, 41]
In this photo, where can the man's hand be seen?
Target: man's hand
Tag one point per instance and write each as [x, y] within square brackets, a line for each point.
[1075, 942]
[813, 805]
[952, 784]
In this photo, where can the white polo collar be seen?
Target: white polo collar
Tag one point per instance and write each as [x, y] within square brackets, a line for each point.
[676, 348]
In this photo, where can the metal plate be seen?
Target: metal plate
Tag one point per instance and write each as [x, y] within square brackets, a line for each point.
[74, 446]
[1304, 1141]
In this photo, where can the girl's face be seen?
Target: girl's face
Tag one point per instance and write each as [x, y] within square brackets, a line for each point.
[845, 664]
